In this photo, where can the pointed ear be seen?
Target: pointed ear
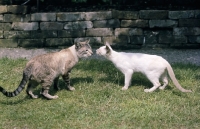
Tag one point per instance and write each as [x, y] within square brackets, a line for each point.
[108, 48]
[88, 41]
[77, 45]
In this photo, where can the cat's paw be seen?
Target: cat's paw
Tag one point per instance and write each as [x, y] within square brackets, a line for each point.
[124, 88]
[71, 88]
[161, 88]
[146, 90]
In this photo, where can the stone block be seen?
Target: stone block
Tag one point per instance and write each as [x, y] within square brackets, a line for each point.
[71, 33]
[163, 23]
[113, 23]
[137, 40]
[189, 22]
[181, 14]
[116, 40]
[125, 14]
[1, 18]
[43, 17]
[186, 31]
[31, 43]
[153, 14]
[25, 26]
[78, 25]
[17, 34]
[197, 14]
[1, 34]
[5, 26]
[194, 39]
[128, 31]
[16, 18]
[71, 16]
[172, 39]
[3, 9]
[10, 43]
[135, 23]
[17, 9]
[98, 15]
[44, 34]
[51, 26]
[96, 32]
[56, 42]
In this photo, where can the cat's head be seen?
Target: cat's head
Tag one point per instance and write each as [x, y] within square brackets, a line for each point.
[104, 50]
[83, 49]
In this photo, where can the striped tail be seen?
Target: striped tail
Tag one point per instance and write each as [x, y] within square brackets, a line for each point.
[18, 90]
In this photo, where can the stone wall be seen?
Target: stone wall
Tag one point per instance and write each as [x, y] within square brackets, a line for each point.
[124, 29]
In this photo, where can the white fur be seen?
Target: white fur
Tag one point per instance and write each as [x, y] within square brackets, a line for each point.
[153, 66]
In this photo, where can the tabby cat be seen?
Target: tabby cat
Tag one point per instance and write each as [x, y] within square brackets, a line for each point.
[45, 70]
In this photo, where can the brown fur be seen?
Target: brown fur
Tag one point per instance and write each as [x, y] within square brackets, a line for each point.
[46, 69]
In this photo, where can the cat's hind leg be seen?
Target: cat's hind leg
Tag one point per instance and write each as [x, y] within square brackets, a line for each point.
[155, 82]
[45, 90]
[55, 84]
[165, 81]
[31, 85]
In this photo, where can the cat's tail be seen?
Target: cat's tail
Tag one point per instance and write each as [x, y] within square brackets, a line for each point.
[19, 88]
[174, 80]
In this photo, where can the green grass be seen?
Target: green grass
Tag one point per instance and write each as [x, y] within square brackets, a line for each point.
[98, 101]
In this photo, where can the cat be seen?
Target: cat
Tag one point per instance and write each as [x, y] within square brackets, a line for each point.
[45, 70]
[153, 66]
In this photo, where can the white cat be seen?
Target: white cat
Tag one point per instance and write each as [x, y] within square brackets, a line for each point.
[153, 66]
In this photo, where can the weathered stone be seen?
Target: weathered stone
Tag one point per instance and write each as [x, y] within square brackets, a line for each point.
[1, 18]
[193, 39]
[43, 17]
[72, 16]
[1, 34]
[172, 39]
[186, 31]
[135, 23]
[44, 34]
[51, 26]
[98, 15]
[189, 22]
[125, 14]
[99, 32]
[181, 14]
[71, 33]
[25, 26]
[16, 18]
[113, 23]
[137, 39]
[8, 43]
[153, 14]
[55, 42]
[29, 43]
[17, 9]
[3, 9]
[117, 40]
[17, 34]
[162, 23]
[197, 13]
[78, 25]
[128, 31]
[5, 26]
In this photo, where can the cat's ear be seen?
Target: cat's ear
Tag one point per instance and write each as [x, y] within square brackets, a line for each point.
[88, 41]
[108, 48]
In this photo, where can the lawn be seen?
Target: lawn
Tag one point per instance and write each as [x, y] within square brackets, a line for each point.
[98, 101]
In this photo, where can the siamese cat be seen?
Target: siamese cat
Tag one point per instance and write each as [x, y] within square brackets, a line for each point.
[153, 66]
[46, 69]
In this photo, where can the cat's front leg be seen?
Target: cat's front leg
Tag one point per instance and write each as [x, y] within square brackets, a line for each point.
[128, 76]
[66, 78]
